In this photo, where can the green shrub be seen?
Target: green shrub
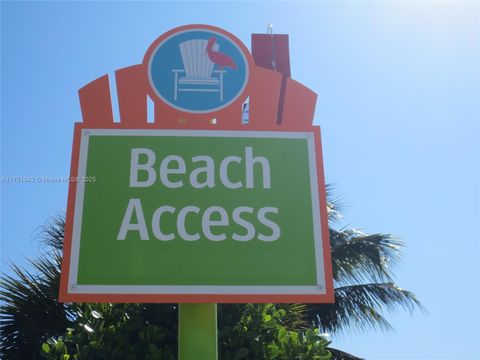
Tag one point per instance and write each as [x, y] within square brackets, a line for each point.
[149, 332]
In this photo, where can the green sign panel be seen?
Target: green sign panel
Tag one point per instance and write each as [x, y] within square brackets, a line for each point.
[196, 212]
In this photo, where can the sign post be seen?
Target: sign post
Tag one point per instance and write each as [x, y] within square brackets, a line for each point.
[208, 204]
[197, 332]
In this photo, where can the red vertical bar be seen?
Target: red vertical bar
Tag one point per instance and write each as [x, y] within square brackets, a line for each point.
[132, 95]
[272, 52]
[96, 103]
[299, 106]
[264, 98]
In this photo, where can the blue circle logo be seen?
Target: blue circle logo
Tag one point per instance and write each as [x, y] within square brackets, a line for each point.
[198, 70]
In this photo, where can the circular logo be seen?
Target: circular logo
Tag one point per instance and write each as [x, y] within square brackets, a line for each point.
[198, 70]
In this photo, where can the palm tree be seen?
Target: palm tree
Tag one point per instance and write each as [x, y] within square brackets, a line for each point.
[30, 311]
[363, 283]
[363, 279]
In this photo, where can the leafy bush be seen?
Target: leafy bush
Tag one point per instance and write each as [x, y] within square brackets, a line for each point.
[122, 331]
[261, 334]
[116, 331]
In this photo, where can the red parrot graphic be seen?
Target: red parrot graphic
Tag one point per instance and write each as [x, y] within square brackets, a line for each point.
[218, 58]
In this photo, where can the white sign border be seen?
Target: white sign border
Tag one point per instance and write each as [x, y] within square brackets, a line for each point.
[74, 288]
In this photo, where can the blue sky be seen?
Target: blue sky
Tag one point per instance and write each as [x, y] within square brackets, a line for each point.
[398, 86]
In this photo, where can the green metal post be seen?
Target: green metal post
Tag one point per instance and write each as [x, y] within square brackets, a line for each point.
[197, 332]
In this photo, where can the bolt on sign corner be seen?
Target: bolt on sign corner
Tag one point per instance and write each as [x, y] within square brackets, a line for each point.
[179, 215]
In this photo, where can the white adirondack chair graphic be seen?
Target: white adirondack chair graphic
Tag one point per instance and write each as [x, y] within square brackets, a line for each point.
[198, 73]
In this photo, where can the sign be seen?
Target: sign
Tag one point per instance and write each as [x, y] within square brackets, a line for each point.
[197, 70]
[231, 212]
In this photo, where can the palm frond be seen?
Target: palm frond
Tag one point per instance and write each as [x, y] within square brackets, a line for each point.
[361, 306]
[358, 258]
[342, 355]
[52, 232]
[296, 316]
[30, 310]
[333, 205]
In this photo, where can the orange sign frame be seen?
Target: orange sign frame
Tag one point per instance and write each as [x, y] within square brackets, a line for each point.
[263, 90]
